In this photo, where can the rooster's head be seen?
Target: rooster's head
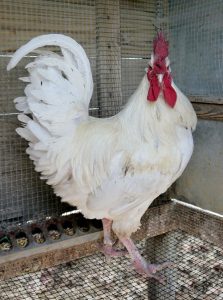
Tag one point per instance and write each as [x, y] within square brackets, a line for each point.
[159, 72]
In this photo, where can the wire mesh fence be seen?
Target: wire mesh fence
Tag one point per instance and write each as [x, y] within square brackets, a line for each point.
[117, 37]
[196, 275]
[198, 267]
[23, 196]
[194, 29]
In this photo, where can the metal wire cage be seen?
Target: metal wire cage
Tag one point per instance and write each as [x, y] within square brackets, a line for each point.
[117, 36]
[197, 274]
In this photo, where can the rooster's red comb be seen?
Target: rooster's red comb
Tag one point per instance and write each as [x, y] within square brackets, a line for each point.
[160, 46]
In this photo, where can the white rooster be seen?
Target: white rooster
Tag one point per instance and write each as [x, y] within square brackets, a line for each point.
[111, 169]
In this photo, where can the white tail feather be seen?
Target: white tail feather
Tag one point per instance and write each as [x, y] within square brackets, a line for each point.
[23, 118]
[26, 134]
[24, 79]
[64, 42]
[57, 96]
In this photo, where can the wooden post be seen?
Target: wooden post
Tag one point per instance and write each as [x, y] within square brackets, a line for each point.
[108, 57]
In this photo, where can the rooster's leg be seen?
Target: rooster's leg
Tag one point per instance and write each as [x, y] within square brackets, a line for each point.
[140, 264]
[107, 225]
[107, 247]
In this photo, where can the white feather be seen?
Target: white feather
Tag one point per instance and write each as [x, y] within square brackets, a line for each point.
[26, 134]
[24, 79]
[23, 118]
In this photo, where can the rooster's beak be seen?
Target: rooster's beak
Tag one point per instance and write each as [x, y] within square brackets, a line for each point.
[160, 78]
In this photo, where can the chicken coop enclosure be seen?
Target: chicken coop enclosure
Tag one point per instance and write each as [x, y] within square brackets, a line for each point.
[47, 249]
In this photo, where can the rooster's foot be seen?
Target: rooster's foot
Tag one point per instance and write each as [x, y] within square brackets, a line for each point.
[109, 251]
[150, 270]
[140, 264]
[108, 246]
